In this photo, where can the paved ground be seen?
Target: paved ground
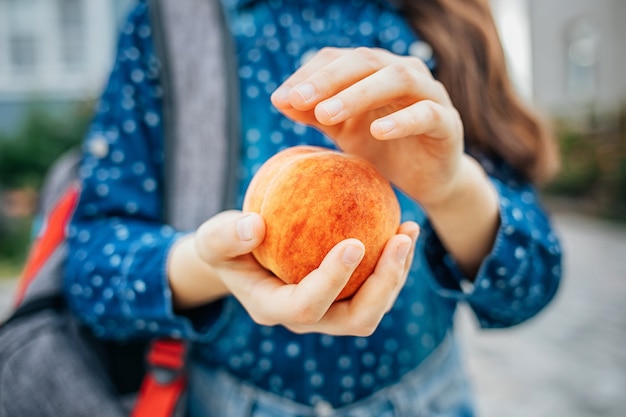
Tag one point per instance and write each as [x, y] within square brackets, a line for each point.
[568, 361]
[571, 359]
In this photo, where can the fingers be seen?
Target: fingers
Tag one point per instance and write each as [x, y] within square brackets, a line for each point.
[332, 70]
[425, 117]
[361, 315]
[228, 235]
[309, 300]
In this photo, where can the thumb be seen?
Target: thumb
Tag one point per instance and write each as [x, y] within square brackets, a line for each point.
[228, 235]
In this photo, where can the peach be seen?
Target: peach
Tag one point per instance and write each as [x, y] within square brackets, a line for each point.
[312, 198]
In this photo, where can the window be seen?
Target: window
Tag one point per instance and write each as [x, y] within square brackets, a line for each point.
[582, 43]
[72, 36]
[22, 40]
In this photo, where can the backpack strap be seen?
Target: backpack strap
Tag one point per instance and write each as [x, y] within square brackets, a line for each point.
[48, 241]
[201, 114]
[196, 140]
[165, 381]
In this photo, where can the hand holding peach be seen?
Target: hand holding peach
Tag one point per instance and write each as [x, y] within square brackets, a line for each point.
[217, 260]
[312, 198]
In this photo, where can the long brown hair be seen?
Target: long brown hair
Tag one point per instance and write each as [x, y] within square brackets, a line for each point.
[471, 64]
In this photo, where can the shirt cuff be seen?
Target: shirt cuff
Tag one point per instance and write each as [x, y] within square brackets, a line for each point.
[501, 271]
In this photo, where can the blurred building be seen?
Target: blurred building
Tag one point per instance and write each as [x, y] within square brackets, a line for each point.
[568, 56]
[54, 52]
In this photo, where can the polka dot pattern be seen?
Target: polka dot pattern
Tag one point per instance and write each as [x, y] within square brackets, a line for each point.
[116, 274]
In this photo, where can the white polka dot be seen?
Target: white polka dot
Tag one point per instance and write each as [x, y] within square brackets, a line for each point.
[131, 207]
[367, 380]
[98, 147]
[139, 286]
[276, 138]
[361, 342]
[149, 185]
[327, 340]
[399, 46]
[347, 381]
[267, 346]
[117, 156]
[143, 31]
[115, 260]
[368, 359]
[121, 232]
[245, 71]
[412, 329]
[102, 190]
[129, 126]
[310, 365]
[317, 380]
[520, 252]
[265, 364]
[391, 345]
[366, 28]
[152, 119]
[128, 103]
[253, 152]
[84, 236]
[137, 76]
[344, 362]
[252, 91]
[98, 308]
[417, 309]
[422, 50]
[347, 397]
[108, 249]
[76, 289]
[292, 349]
[263, 75]
[428, 341]
[253, 135]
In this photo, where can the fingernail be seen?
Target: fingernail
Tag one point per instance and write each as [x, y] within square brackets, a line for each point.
[352, 254]
[281, 94]
[245, 228]
[386, 125]
[402, 252]
[306, 91]
[332, 107]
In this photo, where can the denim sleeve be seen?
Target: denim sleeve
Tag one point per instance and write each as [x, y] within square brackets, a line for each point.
[522, 272]
[116, 280]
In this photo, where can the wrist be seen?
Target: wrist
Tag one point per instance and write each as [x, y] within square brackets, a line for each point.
[193, 281]
[468, 184]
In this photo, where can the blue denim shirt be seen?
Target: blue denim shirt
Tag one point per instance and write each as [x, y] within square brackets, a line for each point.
[116, 281]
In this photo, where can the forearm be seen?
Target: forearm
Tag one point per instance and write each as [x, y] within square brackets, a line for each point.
[192, 281]
[467, 220]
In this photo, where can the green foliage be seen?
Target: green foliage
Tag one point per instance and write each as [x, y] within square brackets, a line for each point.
[24, 160]
[25, 156]
[579, 166]
[594, 165]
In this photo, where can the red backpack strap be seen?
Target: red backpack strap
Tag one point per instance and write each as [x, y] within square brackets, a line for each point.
[52, 235]
[165, 379]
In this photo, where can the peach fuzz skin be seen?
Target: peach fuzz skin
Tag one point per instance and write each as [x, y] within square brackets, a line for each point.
[312, 198]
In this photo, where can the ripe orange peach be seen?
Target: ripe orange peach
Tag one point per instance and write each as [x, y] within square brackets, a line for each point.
[312, 198]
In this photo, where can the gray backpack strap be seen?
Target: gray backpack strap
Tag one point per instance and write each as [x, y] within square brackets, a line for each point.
[200, 110]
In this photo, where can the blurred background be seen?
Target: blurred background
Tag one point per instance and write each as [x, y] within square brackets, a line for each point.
[567, 57]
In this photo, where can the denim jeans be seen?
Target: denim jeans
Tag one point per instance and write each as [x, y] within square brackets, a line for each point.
[437, 388]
